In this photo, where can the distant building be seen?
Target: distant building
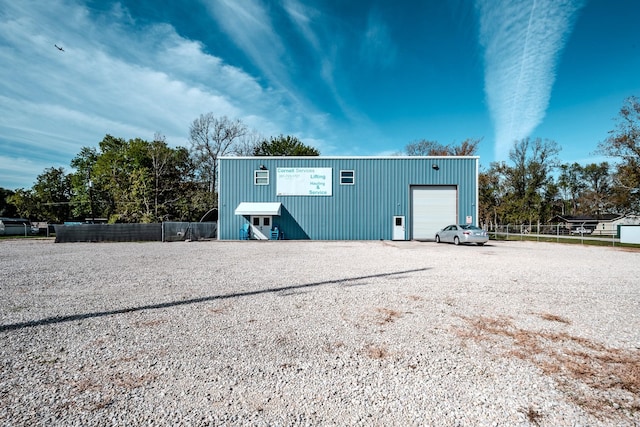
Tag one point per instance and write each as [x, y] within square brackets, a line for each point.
[345, 198]
[17, 227]
[606, 224]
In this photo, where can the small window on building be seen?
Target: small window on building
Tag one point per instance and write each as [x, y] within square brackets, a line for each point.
[267, 221]
[261, 177]
[256, 221]
[347, 178]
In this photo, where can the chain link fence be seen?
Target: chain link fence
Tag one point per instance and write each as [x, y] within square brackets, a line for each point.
[550, 231]
[188, 231]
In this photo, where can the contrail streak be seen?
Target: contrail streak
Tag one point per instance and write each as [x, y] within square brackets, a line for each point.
[522, 41]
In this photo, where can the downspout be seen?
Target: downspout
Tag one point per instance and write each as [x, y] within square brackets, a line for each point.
[477, 191]
[219, 191]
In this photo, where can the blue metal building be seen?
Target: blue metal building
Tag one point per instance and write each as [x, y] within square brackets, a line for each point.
[345, 198]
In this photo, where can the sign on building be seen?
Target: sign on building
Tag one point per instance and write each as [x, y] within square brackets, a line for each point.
[304, 181]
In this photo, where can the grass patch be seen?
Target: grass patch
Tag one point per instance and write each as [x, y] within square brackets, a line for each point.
[563, 239]
[14, 237]
[604, 381]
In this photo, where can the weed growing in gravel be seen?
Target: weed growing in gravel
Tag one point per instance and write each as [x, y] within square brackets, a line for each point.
[554, 318]
[332, 347]
[533, 416]
[603, 381]
[386, 315]
[150, 323]
[217, 310]
[377, 351]
[18, 308]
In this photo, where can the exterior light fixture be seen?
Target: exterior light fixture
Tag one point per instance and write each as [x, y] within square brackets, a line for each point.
[263, 168]
[435, 167]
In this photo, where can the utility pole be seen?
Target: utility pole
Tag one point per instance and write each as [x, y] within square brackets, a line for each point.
[90, 185]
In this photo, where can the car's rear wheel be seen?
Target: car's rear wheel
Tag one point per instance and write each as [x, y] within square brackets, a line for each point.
[480, 243]
[456, 241]
[437, 239]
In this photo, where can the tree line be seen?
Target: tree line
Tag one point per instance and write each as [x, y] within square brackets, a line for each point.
[148, 181]
[139, 181]
[535, 186]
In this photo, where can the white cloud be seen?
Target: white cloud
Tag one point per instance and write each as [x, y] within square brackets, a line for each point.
[249, 25]
[377, 45]
[14, 169]
[303, 16]
[522, 40]
[118, 78]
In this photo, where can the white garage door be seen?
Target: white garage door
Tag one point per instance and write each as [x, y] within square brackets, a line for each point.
[432, 208]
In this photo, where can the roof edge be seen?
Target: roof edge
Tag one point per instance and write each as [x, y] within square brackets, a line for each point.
[344, 157]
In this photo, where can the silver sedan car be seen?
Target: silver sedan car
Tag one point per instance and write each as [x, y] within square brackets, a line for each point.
[462, 233]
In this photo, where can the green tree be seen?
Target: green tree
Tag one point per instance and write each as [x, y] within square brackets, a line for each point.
[626, 190]
[137, 181]
[595, 195]
[49, 198]
[87, 200]
[623, 144]
[523, 192]
[7, 209]
[184, 198]
[166, 169]
[109, 181]
[551, 201]
[53, 193]
[491, 195]
[284, 146]
[570, 185]
[25, 203]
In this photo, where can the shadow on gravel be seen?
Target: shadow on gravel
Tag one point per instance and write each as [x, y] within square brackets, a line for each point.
[74, 317]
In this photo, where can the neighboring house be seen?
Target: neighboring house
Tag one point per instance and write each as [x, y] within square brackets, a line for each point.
[604, 225]
[17, 227]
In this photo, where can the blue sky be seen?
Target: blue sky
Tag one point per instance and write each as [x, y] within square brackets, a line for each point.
[361, 78]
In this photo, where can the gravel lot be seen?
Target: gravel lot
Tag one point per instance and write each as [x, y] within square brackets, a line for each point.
[318, 333]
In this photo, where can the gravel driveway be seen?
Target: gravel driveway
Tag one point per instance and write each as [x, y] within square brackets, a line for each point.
[318, 333]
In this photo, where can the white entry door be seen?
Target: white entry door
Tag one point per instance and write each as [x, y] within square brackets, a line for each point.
[398, 228]
[261, 227]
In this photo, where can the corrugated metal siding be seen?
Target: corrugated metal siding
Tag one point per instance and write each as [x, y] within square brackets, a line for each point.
[363, 211]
